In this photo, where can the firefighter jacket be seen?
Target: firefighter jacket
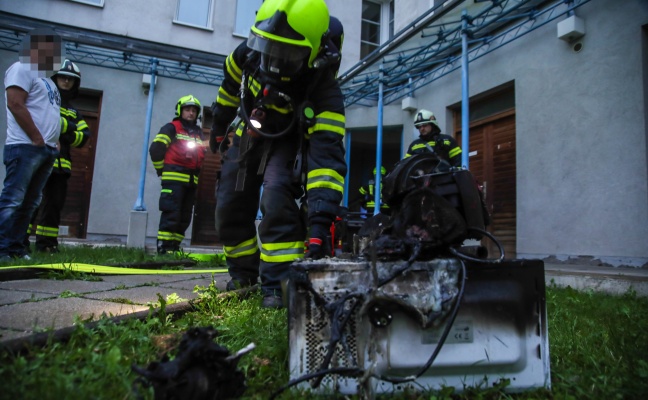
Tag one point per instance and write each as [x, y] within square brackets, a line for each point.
[325, 166]
[368, 196]
[443, 145]
[178, 151]
[74, 133]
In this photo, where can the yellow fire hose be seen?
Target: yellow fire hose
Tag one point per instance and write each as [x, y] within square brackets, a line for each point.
[107, 270]
[102, 269]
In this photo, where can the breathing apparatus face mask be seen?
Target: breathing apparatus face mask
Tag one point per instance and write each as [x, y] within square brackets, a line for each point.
[279, 61]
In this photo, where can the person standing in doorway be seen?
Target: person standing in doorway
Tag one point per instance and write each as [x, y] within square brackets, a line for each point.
[368, 194]
[33, 129]
[432, 140]
[177, 153]
[74, 133]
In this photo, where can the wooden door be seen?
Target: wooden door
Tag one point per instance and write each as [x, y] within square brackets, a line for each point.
[204, 230]
[74, 216]
[492, 162]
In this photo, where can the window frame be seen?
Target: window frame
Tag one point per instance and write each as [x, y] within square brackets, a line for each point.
[243, 6]
[385, 25]
[209, 23]
[99, 3]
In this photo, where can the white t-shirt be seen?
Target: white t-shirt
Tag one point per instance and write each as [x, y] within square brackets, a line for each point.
[43, 102]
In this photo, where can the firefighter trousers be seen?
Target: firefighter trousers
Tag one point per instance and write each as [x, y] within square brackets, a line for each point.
[47, 218]
[176, 206]
[281, 231]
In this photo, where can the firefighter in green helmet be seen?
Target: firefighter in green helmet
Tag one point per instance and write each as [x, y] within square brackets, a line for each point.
[368, 194]
[290, 140]
[177, 153]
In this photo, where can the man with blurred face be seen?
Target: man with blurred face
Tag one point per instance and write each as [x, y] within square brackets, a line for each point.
[33, 129]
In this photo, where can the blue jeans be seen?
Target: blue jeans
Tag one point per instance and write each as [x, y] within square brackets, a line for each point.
[28, 168]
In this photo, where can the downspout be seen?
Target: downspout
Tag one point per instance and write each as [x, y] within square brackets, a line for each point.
[465, 128]
[139, 203]
[379, 144]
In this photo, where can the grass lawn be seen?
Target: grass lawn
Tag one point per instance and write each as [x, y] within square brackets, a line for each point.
[598, 347]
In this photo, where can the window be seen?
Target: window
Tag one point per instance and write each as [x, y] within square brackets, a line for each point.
[98, 3]
[194, 13]
[245, 13]
[377, 25]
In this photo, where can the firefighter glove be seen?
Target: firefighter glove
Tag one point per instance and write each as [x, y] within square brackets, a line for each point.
[318, 244]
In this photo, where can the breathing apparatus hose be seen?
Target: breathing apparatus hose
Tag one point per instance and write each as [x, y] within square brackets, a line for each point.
[246, 117]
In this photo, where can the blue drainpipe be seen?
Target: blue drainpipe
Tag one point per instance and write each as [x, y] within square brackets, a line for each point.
[139, 203]
[379, 145]
[465, 124]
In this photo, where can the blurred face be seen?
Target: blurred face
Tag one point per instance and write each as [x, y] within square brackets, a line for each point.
[42, 52]
[64, 82]
[189, 113]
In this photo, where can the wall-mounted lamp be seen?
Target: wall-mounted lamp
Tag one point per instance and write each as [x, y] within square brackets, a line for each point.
[146, 83]
[409, 104]
[571, 29]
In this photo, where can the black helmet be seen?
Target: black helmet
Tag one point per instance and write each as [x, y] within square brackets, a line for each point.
[68, 68]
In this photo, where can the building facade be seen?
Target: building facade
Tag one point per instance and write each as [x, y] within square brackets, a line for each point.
[557, 118]
[557, 110]
[113, 42]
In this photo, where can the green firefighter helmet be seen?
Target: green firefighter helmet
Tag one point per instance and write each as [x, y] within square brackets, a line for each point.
[424, 117]
[383, 171]
[187, 101]
[288, 34]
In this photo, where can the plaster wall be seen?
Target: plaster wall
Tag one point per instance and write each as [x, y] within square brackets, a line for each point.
[123, 110]
[581, 141]
[143, 19]
[120, 145]
[116, 180]
[152, 20]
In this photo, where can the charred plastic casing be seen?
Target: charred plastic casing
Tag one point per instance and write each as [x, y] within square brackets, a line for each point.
[459, 187]
[500, 331]
[424, 170]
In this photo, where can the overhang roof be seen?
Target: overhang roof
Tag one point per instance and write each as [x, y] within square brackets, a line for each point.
[431, 46]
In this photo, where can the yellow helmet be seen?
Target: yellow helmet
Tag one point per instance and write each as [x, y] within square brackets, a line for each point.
[186, 101]
[424, 117]
[288, 34]
[383, 171]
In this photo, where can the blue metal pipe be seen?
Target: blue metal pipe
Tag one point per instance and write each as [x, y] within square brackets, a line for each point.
[139, 203]
[465, 121]
[379, 145]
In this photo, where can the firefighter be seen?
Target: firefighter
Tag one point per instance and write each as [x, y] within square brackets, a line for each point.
[431, 139]
[74, 133]
[177, 153]
[290, 140]
[368, 195]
